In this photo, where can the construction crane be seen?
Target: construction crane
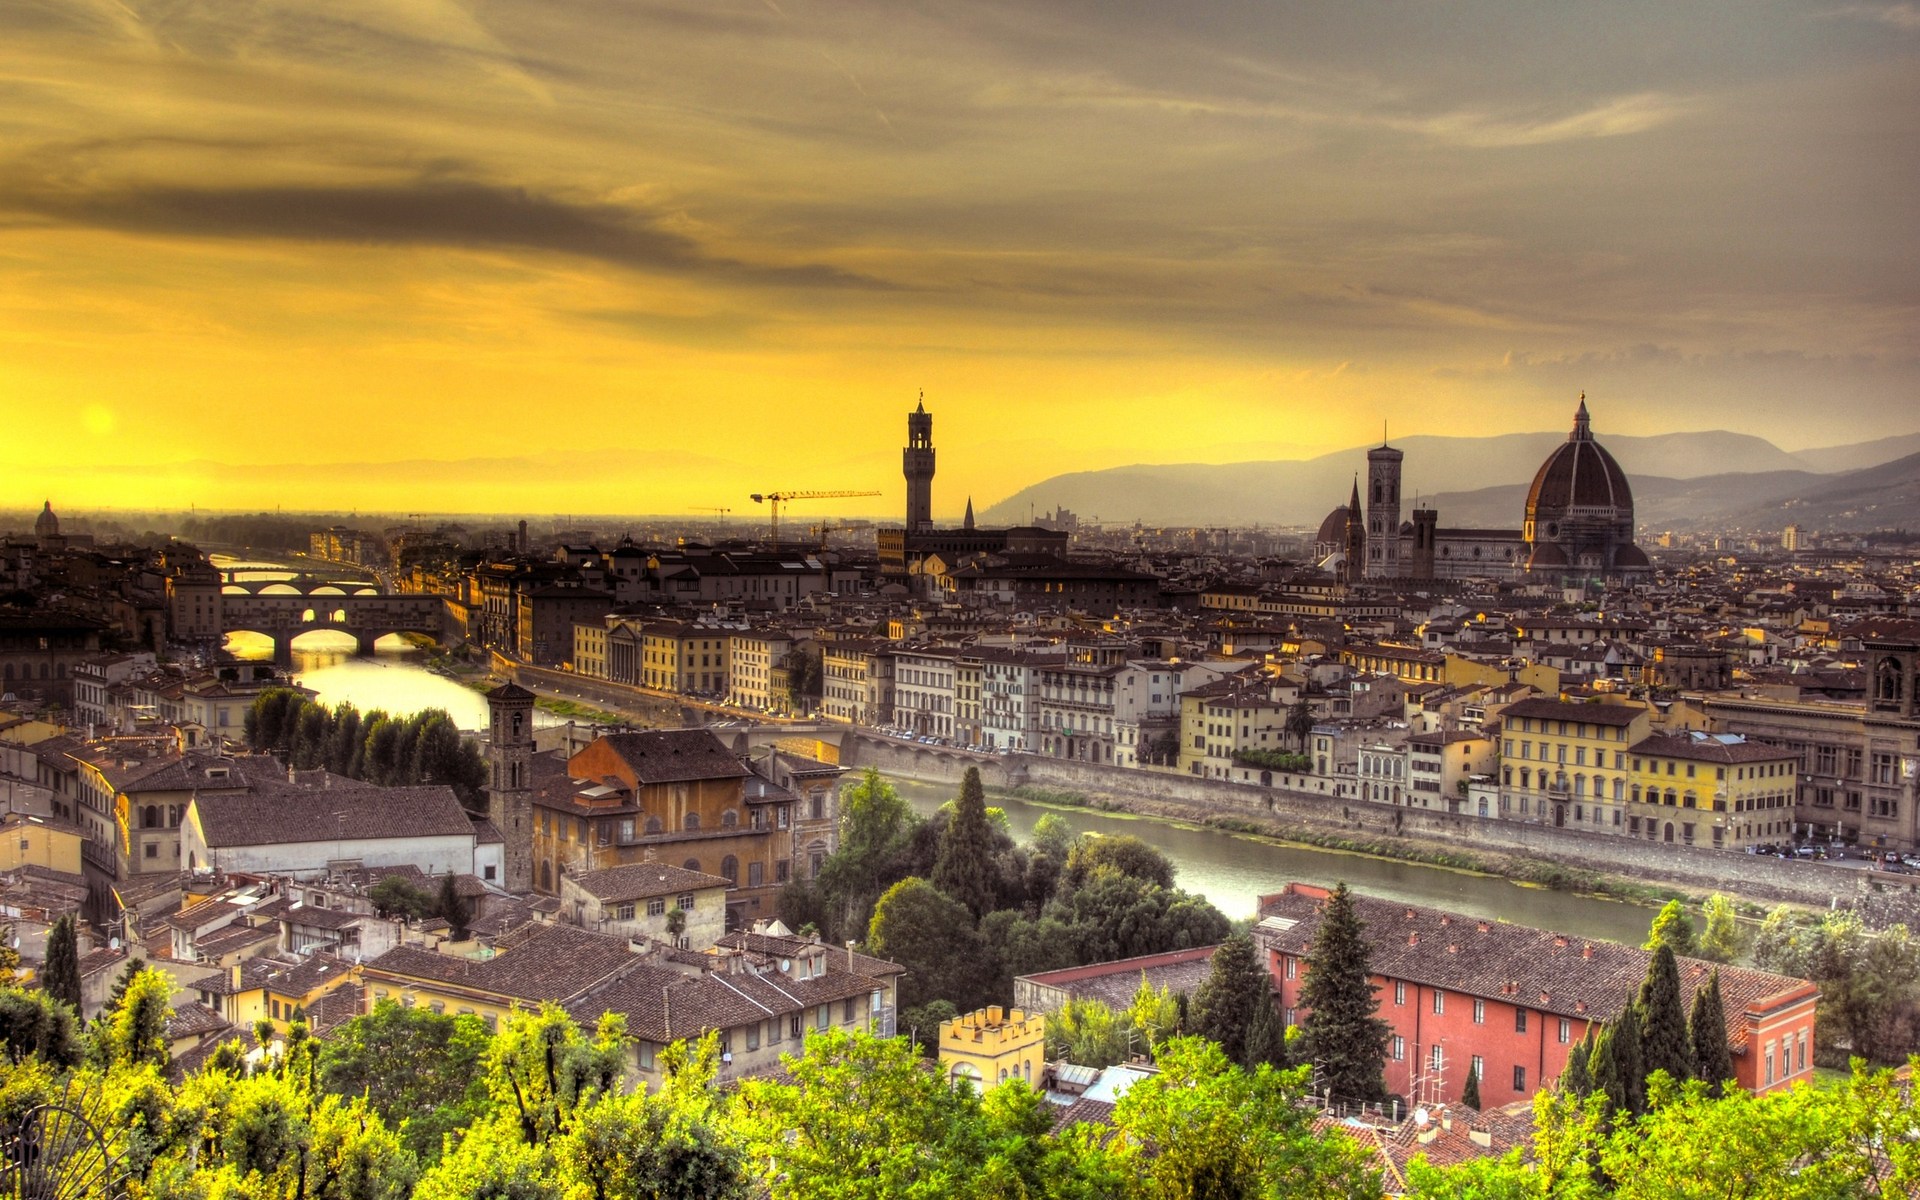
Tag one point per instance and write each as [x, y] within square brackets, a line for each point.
[713, 509]
[773, 501]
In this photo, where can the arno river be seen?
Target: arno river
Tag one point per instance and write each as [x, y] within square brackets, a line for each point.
[1227, 869]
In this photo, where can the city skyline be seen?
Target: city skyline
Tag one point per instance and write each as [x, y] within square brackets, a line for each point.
[520, 237]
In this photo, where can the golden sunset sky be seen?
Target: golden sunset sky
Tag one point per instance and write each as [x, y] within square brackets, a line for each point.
[622, 256]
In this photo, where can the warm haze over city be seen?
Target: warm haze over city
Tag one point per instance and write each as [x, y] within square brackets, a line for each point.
[658, 255]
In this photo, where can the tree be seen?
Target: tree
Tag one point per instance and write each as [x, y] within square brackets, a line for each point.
[1123, 853]
[1721, 940]
[1470, 1091]
[1154, 1014]
[1228, 1002]
[1267, 1040]
[964, 868]
[1707, 1033]
[876, 830]
[135, 1031]
[1671, 928]
[35, 1025]
[1618, 1070]
[1204, 1128]
[394, 896]
[1664, 1044]
[452, 907]
[419, 1070]
[1087, 1033]
[930, 934]
[665, 1146]
[1347, 1041]
[1300, 722]
[1121, 916]
[1577, 1079]
[856, 1117]
[60, 975]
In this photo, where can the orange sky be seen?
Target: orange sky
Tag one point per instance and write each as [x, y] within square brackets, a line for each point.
[616, 256]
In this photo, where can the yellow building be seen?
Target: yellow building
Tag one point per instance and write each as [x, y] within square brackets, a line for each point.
[992, 1045]
[1568, 764]
[1717, 790]
[29, 841]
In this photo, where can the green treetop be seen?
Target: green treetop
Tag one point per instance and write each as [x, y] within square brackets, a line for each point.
[1346, 1040]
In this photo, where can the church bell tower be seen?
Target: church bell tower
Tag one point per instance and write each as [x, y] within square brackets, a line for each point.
[509, 787]
[917, 465]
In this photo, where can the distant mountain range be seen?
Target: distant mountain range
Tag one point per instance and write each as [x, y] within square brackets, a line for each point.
[1679, 480]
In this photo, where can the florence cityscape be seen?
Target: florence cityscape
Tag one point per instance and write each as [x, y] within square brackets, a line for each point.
[764, 599]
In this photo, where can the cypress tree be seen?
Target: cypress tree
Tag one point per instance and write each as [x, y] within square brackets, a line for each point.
[1603, 1069]
[1227, 1005]
[963, 868]
[453, 907]
[1345, 1039]
[1470, 1094]
[1629, 1067]
[1577, 1079]
[1712, 1059]
[1664, 1044]
[1267, 1041]
[60, 976]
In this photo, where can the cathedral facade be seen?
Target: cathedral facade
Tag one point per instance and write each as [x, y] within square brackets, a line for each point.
[1576, 529]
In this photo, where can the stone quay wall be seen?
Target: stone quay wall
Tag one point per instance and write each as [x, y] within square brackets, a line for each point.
[1280, 810]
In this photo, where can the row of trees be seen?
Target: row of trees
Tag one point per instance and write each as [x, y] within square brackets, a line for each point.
[408, 1103]
[425, 748]
[964, 908]
[1869, 979]
[1622, 1062]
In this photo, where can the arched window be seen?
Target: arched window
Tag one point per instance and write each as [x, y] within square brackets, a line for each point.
[692, 864]
[653, 824]
[692, 821]
[150, 817]
[1619, 789]
[730, 867]
[729, 819]
[1636, 793]
[1888, 681]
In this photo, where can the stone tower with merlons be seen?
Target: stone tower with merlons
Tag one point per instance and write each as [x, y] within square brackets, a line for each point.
[509, 783]
[917, 464]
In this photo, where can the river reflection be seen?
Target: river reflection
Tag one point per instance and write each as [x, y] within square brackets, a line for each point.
[1233, 871]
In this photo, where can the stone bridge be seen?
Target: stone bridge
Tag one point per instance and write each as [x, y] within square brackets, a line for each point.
[302, 585]
[366, 616]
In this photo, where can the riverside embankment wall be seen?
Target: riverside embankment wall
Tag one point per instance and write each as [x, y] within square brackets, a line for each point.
[1282, 810]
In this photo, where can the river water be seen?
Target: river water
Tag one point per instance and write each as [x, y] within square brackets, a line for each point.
[1231, 870]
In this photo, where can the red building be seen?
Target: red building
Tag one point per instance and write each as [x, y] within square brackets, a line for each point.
[1512, 1000]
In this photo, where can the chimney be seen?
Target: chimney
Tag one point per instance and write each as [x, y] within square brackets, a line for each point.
[1486, 927]
[1413, 939]
[1559, 941]
[1586, 951]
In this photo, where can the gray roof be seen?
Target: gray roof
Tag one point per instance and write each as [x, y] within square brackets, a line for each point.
[639, 881]
[331, 814]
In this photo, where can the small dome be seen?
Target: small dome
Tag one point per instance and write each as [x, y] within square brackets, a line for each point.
[1333, 530]
[1579, 474]
[1546, 554]
[1630, 556]
[47, 525]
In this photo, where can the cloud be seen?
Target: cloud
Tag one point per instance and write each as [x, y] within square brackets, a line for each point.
[1900, 16]
[425, 212]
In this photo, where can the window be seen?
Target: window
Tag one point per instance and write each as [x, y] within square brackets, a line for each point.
[847, 1013]
[822, 1016]
[775, 1028]
[1479, 1068]
[1399, 992]
[686, 902]
[1399, 1049]
[782, 870]
[623, 912]
[1293, 967]
[153, 849]
[799, 1024]
[753, 1036]
[730, 867]
[1479, 1012]
[1520, 1080]
[756, 874]
[1436, 1061]
[1566, 1031]
[657, 907]
[1439, 1002]
[1519, 1020]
